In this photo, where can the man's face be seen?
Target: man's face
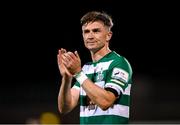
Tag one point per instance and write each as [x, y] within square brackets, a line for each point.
[96, 35]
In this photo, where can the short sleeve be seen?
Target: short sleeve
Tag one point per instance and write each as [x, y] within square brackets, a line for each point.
[118, 77]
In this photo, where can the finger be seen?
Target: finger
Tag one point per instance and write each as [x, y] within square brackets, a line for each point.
[64, 58]
[63, 50]
[64, 63]
[59, 56]
[77, 55]
[72, 56]
[62, 53]
[68, 56]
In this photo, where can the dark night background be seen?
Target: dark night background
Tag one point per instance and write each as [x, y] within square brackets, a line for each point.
[32, 32]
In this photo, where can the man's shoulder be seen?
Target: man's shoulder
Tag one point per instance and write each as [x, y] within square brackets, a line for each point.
[117, 57]
[120, 61]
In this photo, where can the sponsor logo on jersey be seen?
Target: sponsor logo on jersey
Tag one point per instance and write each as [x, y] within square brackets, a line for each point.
[120, 74]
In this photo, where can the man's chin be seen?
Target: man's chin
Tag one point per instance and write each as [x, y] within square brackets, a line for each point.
[90, 48]
[93, 49]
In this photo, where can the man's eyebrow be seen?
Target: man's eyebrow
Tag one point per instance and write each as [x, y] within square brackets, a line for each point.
[86, 30]
[96, 29]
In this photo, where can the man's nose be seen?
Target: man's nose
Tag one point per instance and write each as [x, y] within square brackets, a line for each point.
[91, 35]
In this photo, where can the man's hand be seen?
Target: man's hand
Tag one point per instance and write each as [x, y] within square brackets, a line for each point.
[62, 68]
[72, 62]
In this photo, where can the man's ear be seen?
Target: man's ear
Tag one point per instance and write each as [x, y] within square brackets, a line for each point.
[109, 35]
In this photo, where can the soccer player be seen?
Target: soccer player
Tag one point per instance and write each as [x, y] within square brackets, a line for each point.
[103, 86]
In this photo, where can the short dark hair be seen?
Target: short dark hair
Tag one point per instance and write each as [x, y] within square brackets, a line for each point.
[97, 16]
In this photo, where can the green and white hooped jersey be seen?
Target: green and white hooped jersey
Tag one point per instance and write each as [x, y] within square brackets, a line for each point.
[112, 71]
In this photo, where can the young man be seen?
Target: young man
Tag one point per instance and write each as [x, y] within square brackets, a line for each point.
[103, 85]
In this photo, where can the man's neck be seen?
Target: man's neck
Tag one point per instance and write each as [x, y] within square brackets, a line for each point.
[99, 54]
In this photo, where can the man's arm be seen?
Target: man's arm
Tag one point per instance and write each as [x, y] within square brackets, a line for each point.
[103, 98]
[68, 97]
